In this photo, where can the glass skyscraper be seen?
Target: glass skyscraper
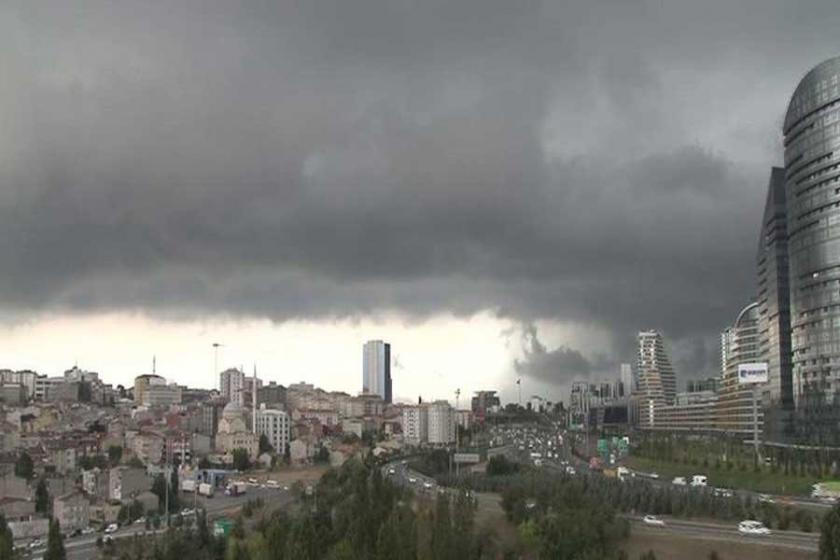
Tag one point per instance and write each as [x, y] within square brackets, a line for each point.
[812, 185]
[376, 369]
[774, 295]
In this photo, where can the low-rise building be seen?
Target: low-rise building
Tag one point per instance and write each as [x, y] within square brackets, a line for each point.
[72, 511]
[125, 483]
[275, 426]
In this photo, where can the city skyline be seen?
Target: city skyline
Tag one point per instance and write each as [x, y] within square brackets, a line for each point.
[575, 184]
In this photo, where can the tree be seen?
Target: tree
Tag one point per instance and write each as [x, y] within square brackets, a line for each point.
[24, 467]
[322, 456]
[6, 540]
[115, 454]
[55, 543]
[241, 461]
[830, 538]
[265, 445]
[42, 497]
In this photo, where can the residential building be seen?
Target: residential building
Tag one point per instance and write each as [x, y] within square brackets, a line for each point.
[376, 369]
[26, 378]
[125, 483]
[275, 426]
[232, 385]
[441, 419]
[415, 424]
[72, 511]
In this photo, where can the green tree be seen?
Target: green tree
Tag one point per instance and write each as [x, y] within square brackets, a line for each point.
[55, 543]
[241, 461]
[24, 467]
[830, 537]
[115, 454]
[7, 546]
[42, 497]
[265, 445]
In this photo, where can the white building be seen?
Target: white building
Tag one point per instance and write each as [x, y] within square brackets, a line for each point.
[441, 428]
[274, 425]
[376, 369]
[415, 424]
[232, 385]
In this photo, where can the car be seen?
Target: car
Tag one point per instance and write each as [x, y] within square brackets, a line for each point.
[653, 520]
[679, 481]
[37, 543]
[285, 488]
[412, 480]
[112, 528]
[392, 471]
[107, 539]
[252, 481]
[570, 470]
[765, 499]
[88, 530]
[427, 485]
[140, 521]
[752, 527]
[723, 492]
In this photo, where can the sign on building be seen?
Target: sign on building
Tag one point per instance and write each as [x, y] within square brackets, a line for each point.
[467, 458]
[752, 372]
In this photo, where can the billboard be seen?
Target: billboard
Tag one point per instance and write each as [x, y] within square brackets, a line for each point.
[467, 458]
[752, 372]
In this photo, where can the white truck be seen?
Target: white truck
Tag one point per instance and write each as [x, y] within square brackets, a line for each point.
[699, 481]
[205, 489]
[188, 485]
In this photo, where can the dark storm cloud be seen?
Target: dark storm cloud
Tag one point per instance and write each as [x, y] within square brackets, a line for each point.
[549, 366]
[600, 162]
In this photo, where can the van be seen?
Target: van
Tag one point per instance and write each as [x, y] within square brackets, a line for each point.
[699, 481]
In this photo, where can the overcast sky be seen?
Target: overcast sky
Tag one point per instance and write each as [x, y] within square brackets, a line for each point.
[499, 188]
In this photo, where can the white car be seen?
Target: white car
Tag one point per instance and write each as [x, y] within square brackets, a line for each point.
[88, 530]
[765, 499]
[750, 527]
[140, 521]
[653, 520]
[678, 481]
[412, 480]
[427, 485]
[37, 543]
[392, 471]
[112, 528]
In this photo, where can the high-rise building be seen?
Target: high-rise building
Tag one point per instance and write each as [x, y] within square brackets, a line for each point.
[739, 345]
[441, 418]
[625, 381]
[376, 369]
[415, 424]
[812, 177]
[812, 193]
[655, 374]
[275, 426]
[232, 386]
[485, 401]
[774, 294]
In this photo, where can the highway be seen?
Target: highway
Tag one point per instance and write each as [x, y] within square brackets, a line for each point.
[729, 532]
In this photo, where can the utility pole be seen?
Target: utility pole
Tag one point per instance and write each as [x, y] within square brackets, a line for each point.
[755, 423]
[519, 386]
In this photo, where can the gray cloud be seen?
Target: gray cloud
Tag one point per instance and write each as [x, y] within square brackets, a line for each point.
[603, 164]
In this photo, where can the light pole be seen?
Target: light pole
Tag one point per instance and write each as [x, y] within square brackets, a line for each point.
[216, 346]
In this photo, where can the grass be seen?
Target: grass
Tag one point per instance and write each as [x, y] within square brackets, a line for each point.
[763, 481]
[685, 547]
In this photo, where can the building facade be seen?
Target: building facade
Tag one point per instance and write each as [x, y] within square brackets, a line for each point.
[415, 424]
[376, 369]
[655, 374]
[740, 345]
[441, 418]
[232, 386]
[812, 181]
[275, 426]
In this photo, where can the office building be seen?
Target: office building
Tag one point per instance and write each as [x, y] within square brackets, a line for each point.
[655, 374]
[275, 426]
[774, 294]
[376, 369]
[232, 386]
[162, 395]
[739, 345]
[625, 380]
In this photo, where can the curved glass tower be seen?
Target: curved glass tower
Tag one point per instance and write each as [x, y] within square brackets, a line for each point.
[812, 185]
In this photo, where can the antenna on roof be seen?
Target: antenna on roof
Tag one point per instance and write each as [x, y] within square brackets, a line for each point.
[154, 364]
